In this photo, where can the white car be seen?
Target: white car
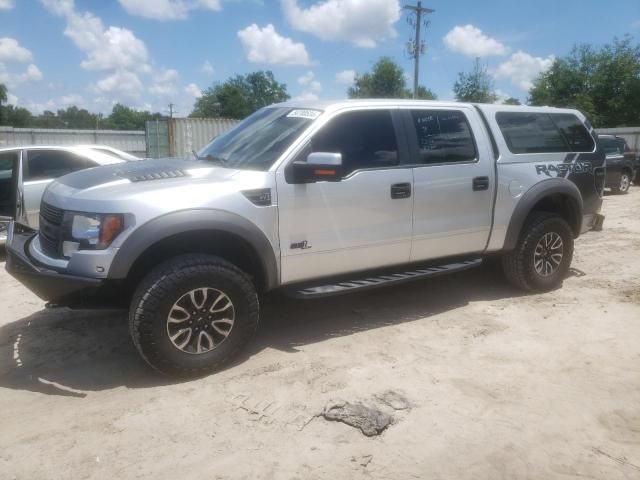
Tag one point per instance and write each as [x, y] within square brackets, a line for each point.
[25, 172]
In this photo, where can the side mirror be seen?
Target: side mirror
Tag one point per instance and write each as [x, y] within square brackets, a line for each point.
[319, 167]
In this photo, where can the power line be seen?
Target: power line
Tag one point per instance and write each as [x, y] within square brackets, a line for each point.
[417, 47]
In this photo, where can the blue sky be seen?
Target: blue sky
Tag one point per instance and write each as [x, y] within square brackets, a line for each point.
[148, 53]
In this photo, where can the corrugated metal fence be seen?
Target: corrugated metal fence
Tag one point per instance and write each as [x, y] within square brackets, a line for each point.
[178, 137]
[131, 141]
[630, 134]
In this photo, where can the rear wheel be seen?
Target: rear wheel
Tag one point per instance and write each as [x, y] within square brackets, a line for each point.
[192, 314]
[543, 255]
[624, 184]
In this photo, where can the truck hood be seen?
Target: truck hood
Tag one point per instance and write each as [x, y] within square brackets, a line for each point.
[155, 186]
[167, 169]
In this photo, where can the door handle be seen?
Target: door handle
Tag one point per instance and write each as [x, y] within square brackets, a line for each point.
[400, 190]
[480, 183]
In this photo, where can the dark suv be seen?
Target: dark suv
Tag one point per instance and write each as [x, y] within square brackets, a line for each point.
[620, 163]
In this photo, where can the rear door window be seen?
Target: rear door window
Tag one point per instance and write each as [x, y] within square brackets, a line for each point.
[444, 136]
[48, 164]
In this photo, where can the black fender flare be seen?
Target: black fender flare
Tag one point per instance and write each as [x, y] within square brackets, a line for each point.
[184, 221]
[545, 188]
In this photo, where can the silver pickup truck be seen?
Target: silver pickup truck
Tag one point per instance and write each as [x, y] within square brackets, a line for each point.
[314, 199]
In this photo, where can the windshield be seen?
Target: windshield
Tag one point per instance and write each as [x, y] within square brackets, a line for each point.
[259, 140]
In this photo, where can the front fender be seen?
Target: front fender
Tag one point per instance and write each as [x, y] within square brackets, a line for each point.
[190, 221]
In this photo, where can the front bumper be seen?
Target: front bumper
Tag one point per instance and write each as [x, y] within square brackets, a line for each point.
[54, 287]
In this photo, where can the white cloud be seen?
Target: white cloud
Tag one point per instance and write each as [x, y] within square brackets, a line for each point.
[265, 45]
[167, 76]
[124, 84]
[207, 68]
[31, 74]
[11, 51]
[69, 100]
[521, 69]
[7, 4]
[168, 9]
[164, 84]
[470, 41]
[115, 51]
[127, 68]
[12, 99]
[312, 87]
[346, 77]
[363, 23]
[308, 80]
[163, 89]
[193, 90]
[111, 48]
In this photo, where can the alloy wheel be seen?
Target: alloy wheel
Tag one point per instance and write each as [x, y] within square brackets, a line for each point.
[200, 320]
[548, 254]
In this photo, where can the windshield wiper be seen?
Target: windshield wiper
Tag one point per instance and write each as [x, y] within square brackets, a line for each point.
[210, 158]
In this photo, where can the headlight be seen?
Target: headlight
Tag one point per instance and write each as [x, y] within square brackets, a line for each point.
[90, 231]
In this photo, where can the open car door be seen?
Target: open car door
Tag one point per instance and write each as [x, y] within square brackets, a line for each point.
[11, 195]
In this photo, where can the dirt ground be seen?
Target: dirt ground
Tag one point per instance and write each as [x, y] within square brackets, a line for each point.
[490, 384]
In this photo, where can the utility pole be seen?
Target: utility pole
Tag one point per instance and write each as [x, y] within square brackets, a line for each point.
[171, 110]
[416, 47]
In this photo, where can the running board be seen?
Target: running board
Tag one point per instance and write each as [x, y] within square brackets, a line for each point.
[379, 281]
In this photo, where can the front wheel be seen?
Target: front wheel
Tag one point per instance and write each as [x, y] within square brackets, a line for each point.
[625, 183]
[192, 314]
[543, 255]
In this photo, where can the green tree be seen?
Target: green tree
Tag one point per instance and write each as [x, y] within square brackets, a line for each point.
[74, 117]
[423, 93]
[47, 119]
[386, 80]
[512, 101]
[475, 86]
[603, 83]
[240, 96]
[16, 117]
[3, 98]
[126, 118]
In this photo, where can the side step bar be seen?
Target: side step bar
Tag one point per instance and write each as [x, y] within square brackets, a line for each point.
[348, 286]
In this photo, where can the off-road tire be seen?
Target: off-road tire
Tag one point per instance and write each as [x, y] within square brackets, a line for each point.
[623, 185]
[163, 286]
[518, 265]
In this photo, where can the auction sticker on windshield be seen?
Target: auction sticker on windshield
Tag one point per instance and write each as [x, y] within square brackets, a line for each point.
[310, 114]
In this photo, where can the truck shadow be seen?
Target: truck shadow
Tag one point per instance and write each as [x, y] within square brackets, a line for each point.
[70, 353]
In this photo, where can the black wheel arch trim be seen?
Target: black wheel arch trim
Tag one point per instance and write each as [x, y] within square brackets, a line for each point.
[551, 186]
[185, 221]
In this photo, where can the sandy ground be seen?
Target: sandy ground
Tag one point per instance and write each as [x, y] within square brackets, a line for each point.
[498, 385]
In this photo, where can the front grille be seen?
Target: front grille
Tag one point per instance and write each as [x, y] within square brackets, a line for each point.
[51, 214]
[51, 230]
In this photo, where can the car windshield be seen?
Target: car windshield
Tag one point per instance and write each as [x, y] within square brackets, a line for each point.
[259, 140]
